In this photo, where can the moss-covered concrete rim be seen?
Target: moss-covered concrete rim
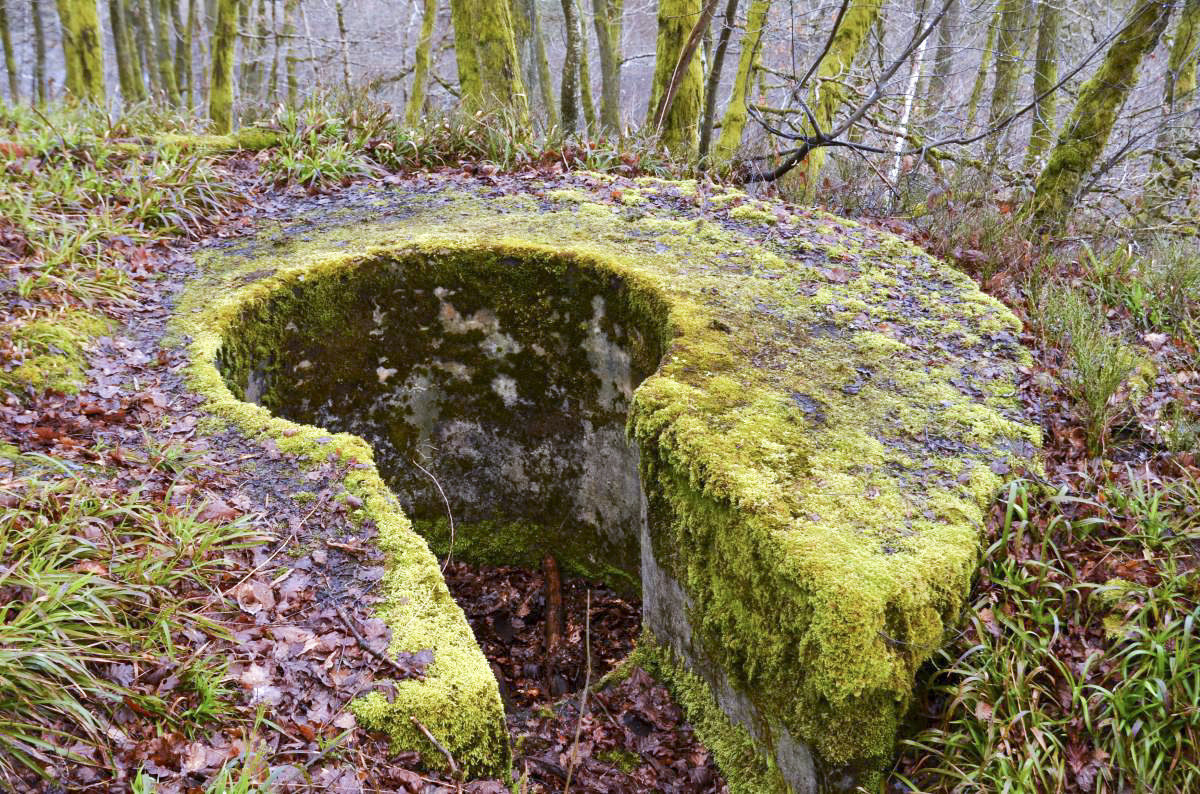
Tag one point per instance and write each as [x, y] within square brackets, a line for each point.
[832, 418]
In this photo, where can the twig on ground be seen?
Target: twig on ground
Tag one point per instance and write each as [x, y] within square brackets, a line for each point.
[587, 682]
[362, 642]
[440, 747]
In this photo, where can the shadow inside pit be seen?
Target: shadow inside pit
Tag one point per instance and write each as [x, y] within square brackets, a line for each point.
[494, 389]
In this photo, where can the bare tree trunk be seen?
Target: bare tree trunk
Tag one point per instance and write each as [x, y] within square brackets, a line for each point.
[585, 73]
[827, 93]
[253, 46]
[289, 31]
[569, 102]
[416, 98]
[1010, 26]
[545, 83]
[1086, 130]
[910, 95]
[1045, 76]
[10, 59]
[183, 56]
[677, 94]
[83, 49]
[344, 44]
[276, 48]
[166, 66]
[714, 78]
[607, 19]
[224, 39]
[734, 121]
[943, 59]
[985, 65]
[142, 16]
[189, 72]
[38, 89]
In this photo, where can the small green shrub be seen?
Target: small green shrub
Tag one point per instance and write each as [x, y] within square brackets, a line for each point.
[1097, 362]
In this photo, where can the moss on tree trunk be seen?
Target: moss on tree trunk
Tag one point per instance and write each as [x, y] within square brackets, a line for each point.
[83, 49]
[607, 17]
[416, 98]
[1086, 131]
[489, 73]
[1045, 75]
[734, 121]
[220, 102]
[827, 93]
[681, 125]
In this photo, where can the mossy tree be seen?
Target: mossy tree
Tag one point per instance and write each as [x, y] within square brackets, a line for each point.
[570, 72]
[489, 74]
[714, 77]
[220, 100]
[39, 52]
[129, 66]
[83, 49]
[1183, 64]
[677, 118]
[943, 59]
[734, 121]
[828, 92]
[10, 61]
[1010, 27]
[163, 50]
[607, 18]
[1045, 75]
[1087, 129]
[416, 98]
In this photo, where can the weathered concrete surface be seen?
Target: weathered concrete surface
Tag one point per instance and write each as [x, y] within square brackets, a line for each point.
[823, 416]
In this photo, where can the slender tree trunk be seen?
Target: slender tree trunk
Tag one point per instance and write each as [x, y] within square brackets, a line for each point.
[182, 55]
[910, 96]
[1183, 64]
[289, 31]
[569, 102]
[129, 64]
[607, 19]
[140, 11]
[545, 82]
[489, 74]
[714, 78]
[734, 121]
[416, 98]
[83, 49]
[188, 87]
[985, 65]
[943, 59]
[38, 88]
[344, 43]
[10, 59]
[253, 46]
[1045, 75]
[585, 73]
[166, 65]
[1086, 131]
[220, 100]
[827, 93]
[1011, 25]
[276, 48]
[677, 69]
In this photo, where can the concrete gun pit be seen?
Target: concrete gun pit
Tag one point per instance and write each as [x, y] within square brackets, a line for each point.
[780, 428]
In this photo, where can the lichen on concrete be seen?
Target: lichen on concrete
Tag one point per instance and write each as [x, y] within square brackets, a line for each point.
[809, 379]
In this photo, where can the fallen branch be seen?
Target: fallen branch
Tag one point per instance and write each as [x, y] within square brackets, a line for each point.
[382, 657]
[433, 740]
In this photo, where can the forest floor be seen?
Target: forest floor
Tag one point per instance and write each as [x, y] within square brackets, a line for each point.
[204, 654]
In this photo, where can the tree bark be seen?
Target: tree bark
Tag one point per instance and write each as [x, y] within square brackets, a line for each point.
[10, 59]
[183, 55]
[985, 64]
[943, 59]
[607, 19]
[585, 73]
[38, 89]
[1086, 131]
[142, 15]
[189, 37]
[83, 49]
[714, 78]
[220, 100]
[1010, 25]
[1183, 64]
[1045, 75]
[344, 43]
[166, 61]
[827, 93]
[734, 121]
[569, 93]
[676, 69]
[489, 73]
[416, 97]
[289, 31]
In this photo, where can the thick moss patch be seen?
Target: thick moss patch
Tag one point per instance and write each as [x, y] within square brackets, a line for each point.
[832, 412]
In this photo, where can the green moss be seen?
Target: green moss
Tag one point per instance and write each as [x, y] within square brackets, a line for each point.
[789, 444]
[51, 351]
